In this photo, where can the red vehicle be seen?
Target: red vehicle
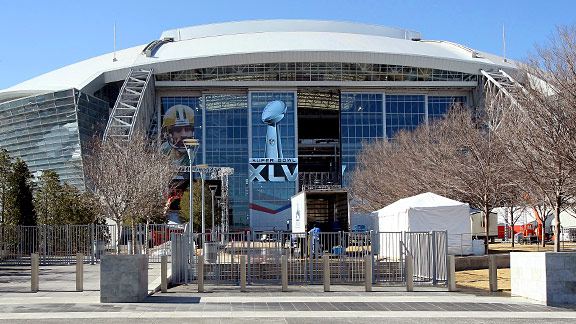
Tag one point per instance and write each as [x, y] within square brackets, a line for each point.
[503, 228]
[158, 237]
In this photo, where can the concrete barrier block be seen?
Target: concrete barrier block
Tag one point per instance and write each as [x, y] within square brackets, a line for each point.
[123, 278]
[547, 277]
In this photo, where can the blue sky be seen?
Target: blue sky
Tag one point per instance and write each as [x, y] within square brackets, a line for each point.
[41, 36]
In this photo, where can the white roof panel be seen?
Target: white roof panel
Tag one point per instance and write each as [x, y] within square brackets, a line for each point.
[242, 43]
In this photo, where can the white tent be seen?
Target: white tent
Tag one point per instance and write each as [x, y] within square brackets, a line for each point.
[428, 212]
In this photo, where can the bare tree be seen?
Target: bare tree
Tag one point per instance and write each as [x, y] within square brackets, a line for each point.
[128, 178]
[388, 170]
[459, 157]
[157, 172]
[476, 168]
[541, 128]
[512, 215]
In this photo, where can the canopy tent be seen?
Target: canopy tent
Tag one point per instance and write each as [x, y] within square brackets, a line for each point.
[428, 212]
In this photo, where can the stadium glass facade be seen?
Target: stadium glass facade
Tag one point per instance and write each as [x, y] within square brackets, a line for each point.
[439, 106]
[226, 145]
[362, 120]
[52, 131]
[231, 130]
[316, 71]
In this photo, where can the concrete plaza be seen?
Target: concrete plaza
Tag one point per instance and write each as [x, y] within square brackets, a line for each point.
[58, 302]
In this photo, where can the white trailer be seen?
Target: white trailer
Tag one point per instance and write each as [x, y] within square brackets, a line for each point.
[328, 209]
[478, 225]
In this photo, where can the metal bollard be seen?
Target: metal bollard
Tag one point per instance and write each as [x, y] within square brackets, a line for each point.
[164, 273]
[493, 272]
[284, 261]
[34, 271]
[368, 272]
[409, 272]
[201, 273]
[242, 273]
[451, 273]
[79, 272]
[326, 262]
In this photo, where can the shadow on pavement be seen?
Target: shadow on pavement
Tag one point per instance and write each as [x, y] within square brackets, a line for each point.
[172, 300]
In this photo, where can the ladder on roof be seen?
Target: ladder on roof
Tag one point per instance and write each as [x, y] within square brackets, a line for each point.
[125, 114]
[506, 85]
[504, 94]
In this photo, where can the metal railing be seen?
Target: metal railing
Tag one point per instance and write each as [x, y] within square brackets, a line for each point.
[389, 256]
[222, 252]
[428, 249]
[59, 244]
[305, 252]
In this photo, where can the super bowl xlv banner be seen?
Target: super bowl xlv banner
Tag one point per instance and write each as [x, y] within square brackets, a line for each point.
[273, 166]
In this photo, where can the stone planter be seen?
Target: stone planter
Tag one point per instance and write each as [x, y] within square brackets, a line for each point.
[123, 278]
[547, 277]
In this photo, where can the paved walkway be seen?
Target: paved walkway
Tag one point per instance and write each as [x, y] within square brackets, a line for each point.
[58, 302]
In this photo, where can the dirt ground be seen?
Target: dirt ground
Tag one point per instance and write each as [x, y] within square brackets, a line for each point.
[507, 247]
[476, 281]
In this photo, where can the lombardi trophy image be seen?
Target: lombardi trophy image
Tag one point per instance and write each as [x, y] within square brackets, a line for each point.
[272, 114]
[273, 166]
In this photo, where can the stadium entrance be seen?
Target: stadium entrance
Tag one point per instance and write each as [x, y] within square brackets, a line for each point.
[319, 138]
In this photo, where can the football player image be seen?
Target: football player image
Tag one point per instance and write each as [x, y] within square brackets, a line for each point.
[178, 125]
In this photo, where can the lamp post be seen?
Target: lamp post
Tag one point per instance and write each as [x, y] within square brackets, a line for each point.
[202, 168]
[191, 145]
[212, 188]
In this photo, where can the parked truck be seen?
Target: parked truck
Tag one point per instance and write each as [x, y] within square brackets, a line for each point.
[328, 209]
[479, 228]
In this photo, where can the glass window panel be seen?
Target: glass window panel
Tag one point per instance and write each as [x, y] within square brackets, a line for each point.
[315, 71]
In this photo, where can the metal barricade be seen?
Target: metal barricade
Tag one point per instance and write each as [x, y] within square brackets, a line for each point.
[429, 250]
[104, 240]
[59, 244]
[346, 252]
[389, 257]
[297, 255]
[265, 250]
[221, 253]
[158, 240]
[17, 243]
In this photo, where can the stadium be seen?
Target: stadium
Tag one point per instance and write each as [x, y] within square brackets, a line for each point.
[286, 103]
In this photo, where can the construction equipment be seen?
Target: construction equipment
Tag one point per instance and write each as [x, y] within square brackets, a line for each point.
[531, 234]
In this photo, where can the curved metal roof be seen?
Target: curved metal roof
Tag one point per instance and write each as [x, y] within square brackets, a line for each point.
[288, 25]
[268, 41]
